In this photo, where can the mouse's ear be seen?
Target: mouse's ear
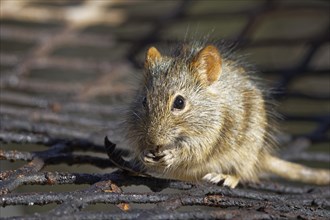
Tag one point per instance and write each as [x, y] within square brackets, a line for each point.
[152, 56]
[208, 64]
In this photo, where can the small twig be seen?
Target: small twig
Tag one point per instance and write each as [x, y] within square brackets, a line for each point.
[118, 161]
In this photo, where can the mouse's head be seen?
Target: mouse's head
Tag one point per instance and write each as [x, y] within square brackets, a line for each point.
[177, 106]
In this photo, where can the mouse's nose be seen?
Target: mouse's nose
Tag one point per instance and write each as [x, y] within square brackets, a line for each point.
[158, 147]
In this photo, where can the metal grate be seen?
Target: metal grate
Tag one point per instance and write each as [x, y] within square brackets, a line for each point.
[65, 67]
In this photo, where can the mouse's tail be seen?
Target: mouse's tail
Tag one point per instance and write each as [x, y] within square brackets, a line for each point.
[296, 172]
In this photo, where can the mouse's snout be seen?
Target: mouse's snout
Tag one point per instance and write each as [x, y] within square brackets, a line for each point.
[156, 141]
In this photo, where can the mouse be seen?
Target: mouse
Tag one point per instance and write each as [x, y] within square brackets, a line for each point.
[200, 116]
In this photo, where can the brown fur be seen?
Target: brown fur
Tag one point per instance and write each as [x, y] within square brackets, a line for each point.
[221, 134]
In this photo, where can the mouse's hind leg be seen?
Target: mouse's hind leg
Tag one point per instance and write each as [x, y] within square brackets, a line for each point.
[228, 180]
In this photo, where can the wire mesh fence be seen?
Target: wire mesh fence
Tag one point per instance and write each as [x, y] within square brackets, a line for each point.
[65, 67]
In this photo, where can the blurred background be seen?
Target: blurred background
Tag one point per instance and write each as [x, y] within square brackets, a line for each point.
[68, 67]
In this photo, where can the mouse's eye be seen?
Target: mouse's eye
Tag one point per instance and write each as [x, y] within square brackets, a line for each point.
[144, 102]
[179, 103]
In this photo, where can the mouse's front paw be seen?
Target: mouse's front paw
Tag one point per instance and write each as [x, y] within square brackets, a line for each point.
[165, 158]
[226, 180]
[168, 158]
[151, 157]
